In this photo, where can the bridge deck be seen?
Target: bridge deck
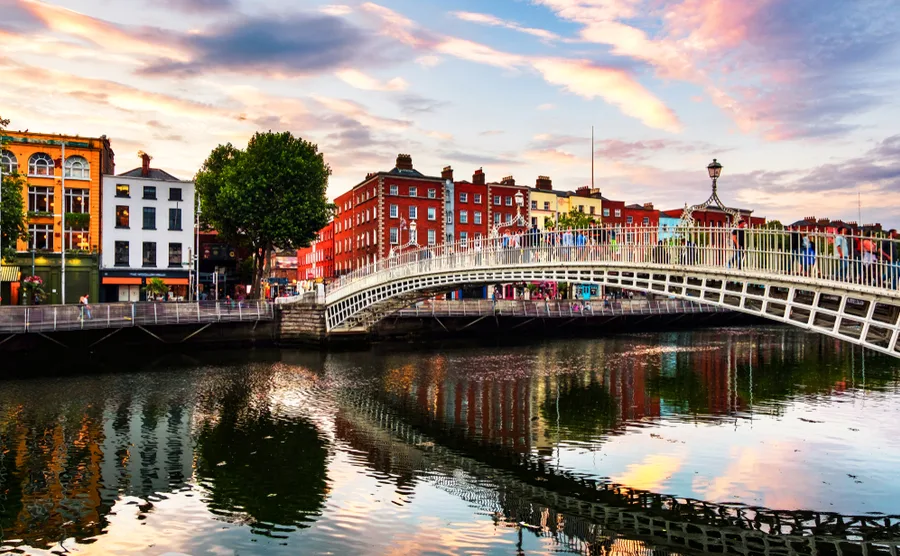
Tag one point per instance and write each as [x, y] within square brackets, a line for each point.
[59, 318]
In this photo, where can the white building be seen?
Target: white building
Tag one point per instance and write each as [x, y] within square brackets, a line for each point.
[147, 232]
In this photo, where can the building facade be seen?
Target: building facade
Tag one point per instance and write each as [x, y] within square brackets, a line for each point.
[316, 262]
[148, 232]
[588, 201]
[502, 209]
[641, 215]
[55, 187]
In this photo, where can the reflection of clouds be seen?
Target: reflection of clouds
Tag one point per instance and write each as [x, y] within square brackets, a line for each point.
[651, 473]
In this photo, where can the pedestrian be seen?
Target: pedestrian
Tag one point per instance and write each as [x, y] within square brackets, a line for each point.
[808, 255]
[842, 250]
[737, 243]
[85, 306]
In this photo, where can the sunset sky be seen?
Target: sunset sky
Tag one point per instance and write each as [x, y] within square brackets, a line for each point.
[796, 98]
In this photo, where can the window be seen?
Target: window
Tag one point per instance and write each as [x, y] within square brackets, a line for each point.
[496, 218]
[463, 217]
[149, 254]
[150, 192]
[629, 220]
[432, 213]
[175, 194]
[394, 211]
[463, 197]
[593, 210]
[508, 201]
[77, 168]
[77, 200]
[477, 198]
[464, 237]
[395, 190]
[40, 164]
[121, 253]
[432, 194]
[533, 205]
[77, 240]
[497, 200]
[432, 237]
[121, 216]
[175, 219]
[412, 191]
[534, 221]
[413, 212]
[449, 217]
[546, 205]
[581, 208]
[606, 212]
[478, 218]
[618, 213]
[41, 236]
[646, 221]
[175, 255]
[149, 218]
[508, 219]
[9, 164]
[40, 199]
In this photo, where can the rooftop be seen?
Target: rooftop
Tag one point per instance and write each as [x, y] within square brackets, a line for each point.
[153, 174]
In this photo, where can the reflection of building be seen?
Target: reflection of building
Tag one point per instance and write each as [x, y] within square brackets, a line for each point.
[148, 232]
[37, 158]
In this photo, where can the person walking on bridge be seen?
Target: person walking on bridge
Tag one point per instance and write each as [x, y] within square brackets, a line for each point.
[738, 243]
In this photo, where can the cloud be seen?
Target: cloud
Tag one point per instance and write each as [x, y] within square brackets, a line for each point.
[416, 104]
[336, 10]
[428, 61]
[615, 86]
[616, 149]
[201, 6]
[357, 111]
[358, 79]
[271, 45]
[479, 53]
[18, 18]
[397, 26]
[486, 19]
[491, 132]
[478, 158]
[547, 106]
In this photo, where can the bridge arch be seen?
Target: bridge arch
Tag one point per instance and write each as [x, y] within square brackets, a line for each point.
[855, 316]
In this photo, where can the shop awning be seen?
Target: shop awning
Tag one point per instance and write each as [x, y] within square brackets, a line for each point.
[117, 281]
[175, 281]
[10, 273]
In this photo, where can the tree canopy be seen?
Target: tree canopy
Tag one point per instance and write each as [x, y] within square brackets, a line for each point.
[12, 208]
[271, 195]
[576, 219]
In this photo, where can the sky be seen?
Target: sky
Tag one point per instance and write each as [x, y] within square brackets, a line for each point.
[795, 98]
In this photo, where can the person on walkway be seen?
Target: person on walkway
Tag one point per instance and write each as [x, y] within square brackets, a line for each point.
[738, 243]
[842, 251]
[580, 242]
[808, 255]
[85, 306]
[568, 242]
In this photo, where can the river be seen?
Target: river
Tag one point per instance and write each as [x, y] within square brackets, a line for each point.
[722, 440]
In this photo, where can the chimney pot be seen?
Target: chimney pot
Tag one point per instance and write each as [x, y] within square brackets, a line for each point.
[478, 177]
[543, 183]
[404, 162]
[508, 180]
[145, 164]
[447, 173]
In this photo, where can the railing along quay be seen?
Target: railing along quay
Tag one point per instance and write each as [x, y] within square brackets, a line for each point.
[553, 308]
[58, 318]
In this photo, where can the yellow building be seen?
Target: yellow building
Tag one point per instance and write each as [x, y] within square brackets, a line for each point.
[587, 201]
[37, 158]
[546, 204]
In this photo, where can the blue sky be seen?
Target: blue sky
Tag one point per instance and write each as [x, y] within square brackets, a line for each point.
[794, 97]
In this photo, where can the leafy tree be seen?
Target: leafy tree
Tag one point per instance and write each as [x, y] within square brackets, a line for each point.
[269, 196]
[156, 287]
[12, 208]
[576, 219]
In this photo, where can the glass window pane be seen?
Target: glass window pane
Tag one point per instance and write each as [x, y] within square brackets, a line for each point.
[149, 218]
[121, 253]
[123, 190]
[175, 254]
[149, 254]
[121, 216]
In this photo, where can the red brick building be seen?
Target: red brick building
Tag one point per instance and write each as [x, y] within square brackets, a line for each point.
[317, 261]
[502, 207]
[466, 207]
[641, 215]
[343, 233]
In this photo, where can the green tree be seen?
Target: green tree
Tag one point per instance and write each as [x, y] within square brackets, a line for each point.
[12, 208]
[156, 287]
[576, 219]
[269, 196]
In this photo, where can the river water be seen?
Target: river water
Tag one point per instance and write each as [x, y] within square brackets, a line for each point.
[724, 440]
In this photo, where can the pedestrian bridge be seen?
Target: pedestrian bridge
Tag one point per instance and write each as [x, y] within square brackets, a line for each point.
[798, 280]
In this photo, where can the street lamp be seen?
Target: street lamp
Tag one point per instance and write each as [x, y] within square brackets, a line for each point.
[715, 170]
[518, 221]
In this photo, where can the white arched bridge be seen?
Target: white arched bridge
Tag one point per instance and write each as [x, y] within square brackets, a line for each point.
[843, 286]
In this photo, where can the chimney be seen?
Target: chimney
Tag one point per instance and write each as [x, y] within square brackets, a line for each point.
[447, 173]
[508, 180]
[478, 177]
[648, 206]
[583, 191]
[145, 164]
[543, 183]
[404, 162]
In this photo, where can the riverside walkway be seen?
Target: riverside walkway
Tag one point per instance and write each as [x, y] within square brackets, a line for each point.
[802, 279]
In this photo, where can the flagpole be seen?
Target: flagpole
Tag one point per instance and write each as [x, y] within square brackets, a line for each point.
[63, 223]
[592, 158]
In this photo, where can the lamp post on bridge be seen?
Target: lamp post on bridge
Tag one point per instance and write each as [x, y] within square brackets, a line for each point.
[518, 221]
[714, 169]
[412, 240]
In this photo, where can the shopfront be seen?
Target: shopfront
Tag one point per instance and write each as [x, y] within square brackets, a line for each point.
[130, 285]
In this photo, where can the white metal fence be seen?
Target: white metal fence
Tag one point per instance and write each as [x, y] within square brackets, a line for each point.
[50, 318]
[554, 308]
[866, 262]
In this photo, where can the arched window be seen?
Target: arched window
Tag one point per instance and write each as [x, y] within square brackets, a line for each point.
[40, 164]
[8, 163]
[77, 167]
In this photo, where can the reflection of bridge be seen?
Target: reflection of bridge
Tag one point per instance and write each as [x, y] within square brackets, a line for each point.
[853, 299]
[596, 511]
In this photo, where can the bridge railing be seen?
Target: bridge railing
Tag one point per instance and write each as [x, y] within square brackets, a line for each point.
[867, 261]
[53, 318]
[553, 308]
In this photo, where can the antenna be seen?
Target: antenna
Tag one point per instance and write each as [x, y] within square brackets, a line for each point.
[592, 159]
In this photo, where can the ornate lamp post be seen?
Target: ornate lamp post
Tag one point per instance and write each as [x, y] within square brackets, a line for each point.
[518, 221]
[687, 217]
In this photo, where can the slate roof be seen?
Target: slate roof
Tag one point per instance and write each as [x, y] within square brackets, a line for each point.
[155, 174]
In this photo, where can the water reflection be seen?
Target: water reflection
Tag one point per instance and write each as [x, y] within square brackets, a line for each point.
[607, 446]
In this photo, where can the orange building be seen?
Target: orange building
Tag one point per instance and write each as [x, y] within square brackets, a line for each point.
[38, 158]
